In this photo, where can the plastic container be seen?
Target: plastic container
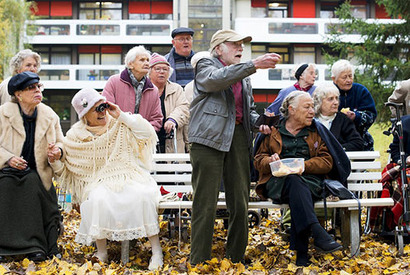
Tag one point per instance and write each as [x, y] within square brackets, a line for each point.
[288, 166]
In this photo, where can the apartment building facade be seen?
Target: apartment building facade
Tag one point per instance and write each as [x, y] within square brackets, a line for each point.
[83, 43]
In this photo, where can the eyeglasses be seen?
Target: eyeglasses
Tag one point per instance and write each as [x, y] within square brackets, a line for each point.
[34, 87]
[161, 69]
[187, 39]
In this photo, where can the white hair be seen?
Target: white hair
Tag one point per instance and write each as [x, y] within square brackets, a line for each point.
[17, 61]
[321, 92]
[291, 99]
[341, 66]
[134, 52]
[310, 65]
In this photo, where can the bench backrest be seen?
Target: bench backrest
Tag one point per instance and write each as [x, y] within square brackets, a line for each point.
[178, 169]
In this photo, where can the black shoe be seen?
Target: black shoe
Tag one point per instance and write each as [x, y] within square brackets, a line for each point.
[2, 259]
[302, 259]
[327, 246]
[37, 256]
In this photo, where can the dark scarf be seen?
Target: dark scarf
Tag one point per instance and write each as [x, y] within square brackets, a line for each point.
[138, 87]
[28, 146]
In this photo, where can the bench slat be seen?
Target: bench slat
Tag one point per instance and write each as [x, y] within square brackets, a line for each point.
[358, 155]
[358, 176]
[268, 204]
[365, 186]
[171, 157]
[363, 165]
[177, 167]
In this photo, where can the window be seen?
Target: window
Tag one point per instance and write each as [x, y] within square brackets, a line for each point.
[100, 10]
[358, 8]
[304, 55]
[258, 50]
[151, 9]
[53, 9]
[269, 8]
[54, 55]
[96, 55]
[205, 20]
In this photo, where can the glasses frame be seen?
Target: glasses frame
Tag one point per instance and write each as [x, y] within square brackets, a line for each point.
[34, 87]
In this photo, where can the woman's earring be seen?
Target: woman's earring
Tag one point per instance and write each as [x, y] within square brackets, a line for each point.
[20, 99]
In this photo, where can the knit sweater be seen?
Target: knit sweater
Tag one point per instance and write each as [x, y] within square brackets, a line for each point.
[120, 155]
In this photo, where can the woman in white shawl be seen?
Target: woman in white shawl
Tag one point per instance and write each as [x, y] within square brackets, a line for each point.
[108, 154]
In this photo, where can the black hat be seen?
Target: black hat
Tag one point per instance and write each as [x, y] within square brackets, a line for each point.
[21, 81]
[182, 30]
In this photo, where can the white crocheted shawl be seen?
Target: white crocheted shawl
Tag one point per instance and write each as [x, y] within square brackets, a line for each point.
[122, 154]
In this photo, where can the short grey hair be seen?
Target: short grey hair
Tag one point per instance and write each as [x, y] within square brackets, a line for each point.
[223, 48]
[341, 66]
[291, 99]
[134, 52]
[17, 61]
[321, 92]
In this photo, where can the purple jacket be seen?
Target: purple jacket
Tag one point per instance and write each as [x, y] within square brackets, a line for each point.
[120, 91]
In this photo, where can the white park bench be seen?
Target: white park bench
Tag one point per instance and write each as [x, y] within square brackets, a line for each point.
[177, 169]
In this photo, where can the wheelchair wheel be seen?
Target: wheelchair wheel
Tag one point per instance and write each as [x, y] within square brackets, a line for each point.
[254, 218]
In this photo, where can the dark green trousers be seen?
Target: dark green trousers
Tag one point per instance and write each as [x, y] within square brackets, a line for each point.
[209, 168]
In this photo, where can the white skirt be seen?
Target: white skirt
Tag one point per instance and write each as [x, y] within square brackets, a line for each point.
[118, 216]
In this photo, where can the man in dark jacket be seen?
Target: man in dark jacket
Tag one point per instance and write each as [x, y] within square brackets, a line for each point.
[222, 117]
[180, 56]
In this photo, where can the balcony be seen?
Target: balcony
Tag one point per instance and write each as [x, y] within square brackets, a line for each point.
[295, 30]
[101, 32]
[77, 76]
[95, 76]
[282, 77]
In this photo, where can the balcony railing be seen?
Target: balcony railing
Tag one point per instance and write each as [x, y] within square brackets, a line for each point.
[296, 30]
[99, 31]
[95, 76]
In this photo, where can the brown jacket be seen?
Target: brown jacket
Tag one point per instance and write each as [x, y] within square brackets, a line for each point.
[13, 135]
[320, 161]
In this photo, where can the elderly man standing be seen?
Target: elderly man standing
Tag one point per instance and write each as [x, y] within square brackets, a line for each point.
[222, 117]
[180, 56]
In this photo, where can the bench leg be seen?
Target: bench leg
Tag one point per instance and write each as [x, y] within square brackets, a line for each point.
[125, 251]
[350, 231]
[354, 233]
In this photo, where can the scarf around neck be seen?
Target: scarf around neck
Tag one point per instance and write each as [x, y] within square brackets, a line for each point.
[326, 120]
[138, 86]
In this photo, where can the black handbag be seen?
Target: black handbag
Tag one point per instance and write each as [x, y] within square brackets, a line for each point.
[16, 172]
[337, 189]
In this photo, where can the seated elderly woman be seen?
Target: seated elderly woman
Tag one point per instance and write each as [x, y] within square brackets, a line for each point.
[174, 105]
[355, 101]
[106, 168]
[30, 219]
[326, 100]
[297, 135]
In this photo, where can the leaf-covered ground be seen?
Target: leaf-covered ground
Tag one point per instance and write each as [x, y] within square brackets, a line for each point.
[267, 253]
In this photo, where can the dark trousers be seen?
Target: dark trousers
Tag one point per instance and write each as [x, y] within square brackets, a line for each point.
[209, 168]
[297, 193]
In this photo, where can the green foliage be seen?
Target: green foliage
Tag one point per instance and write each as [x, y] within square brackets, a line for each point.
[382, 56]
[13, 17]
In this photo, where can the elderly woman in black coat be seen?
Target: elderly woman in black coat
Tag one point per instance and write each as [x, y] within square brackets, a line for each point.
[326, 100]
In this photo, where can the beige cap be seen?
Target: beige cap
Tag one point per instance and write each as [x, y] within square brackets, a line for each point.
[227, 36]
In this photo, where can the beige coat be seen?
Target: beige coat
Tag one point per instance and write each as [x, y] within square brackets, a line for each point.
[177, 108]
[4, 94]
[13, 135]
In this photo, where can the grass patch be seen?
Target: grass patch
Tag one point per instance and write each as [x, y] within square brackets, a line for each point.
[381, 141]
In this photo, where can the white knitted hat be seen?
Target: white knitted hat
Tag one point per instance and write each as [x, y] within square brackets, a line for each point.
[84, 100]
